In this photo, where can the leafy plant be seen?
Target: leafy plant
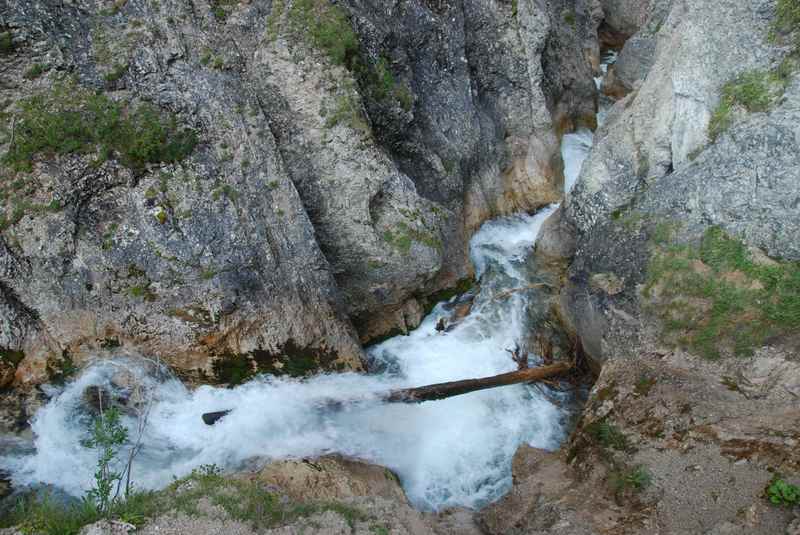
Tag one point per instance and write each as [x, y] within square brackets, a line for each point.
[608, 435]
[779, 492]
[107, 435]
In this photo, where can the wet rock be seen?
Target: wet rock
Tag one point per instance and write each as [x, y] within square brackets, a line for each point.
[331, 478]
[98, 399]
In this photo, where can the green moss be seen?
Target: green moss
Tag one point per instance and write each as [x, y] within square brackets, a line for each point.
[635, 480]
[348, 111]
[288, 359]
[644, 385]
[218, 8]
[787, 16]
[233, 369]
[569, 18]
[225, 190]
[402, 236]
[6, 43]
[61, 369]
[717, 299]
[400, 241]
[461, 287]
[69, 120]
[136, 291]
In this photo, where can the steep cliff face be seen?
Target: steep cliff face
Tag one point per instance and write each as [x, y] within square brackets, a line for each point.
[264, 181]
[679, 243]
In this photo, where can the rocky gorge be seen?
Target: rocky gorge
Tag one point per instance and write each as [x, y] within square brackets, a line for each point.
[243, 187]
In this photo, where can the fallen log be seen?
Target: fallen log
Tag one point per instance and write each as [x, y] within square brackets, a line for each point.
[457, 388]
[453, 388]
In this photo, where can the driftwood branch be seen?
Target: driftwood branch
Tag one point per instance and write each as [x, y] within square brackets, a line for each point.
[454, 388]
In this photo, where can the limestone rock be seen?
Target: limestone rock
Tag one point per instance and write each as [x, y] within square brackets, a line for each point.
[331, 478]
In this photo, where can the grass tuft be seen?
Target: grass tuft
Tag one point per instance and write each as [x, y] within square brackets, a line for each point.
[714, 298]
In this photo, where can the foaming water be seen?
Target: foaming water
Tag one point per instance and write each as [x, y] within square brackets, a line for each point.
[456, 451]
[575, 148]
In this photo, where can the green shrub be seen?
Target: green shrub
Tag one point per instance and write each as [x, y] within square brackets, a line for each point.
[779, 492]
[107, 435]
[68, 120]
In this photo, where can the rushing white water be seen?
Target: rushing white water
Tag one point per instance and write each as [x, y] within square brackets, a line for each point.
[452, 452]
[575, 148]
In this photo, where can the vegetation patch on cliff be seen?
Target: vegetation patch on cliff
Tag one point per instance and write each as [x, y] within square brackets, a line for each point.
[719, 297]
[327, 26]
[752, 91]
[67, 120]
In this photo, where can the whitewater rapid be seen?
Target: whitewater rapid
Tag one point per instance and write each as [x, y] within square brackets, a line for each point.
[451, 452]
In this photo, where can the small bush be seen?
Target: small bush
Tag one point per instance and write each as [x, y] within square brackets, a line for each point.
[36, 70]
[107, 436]
[779, 492]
